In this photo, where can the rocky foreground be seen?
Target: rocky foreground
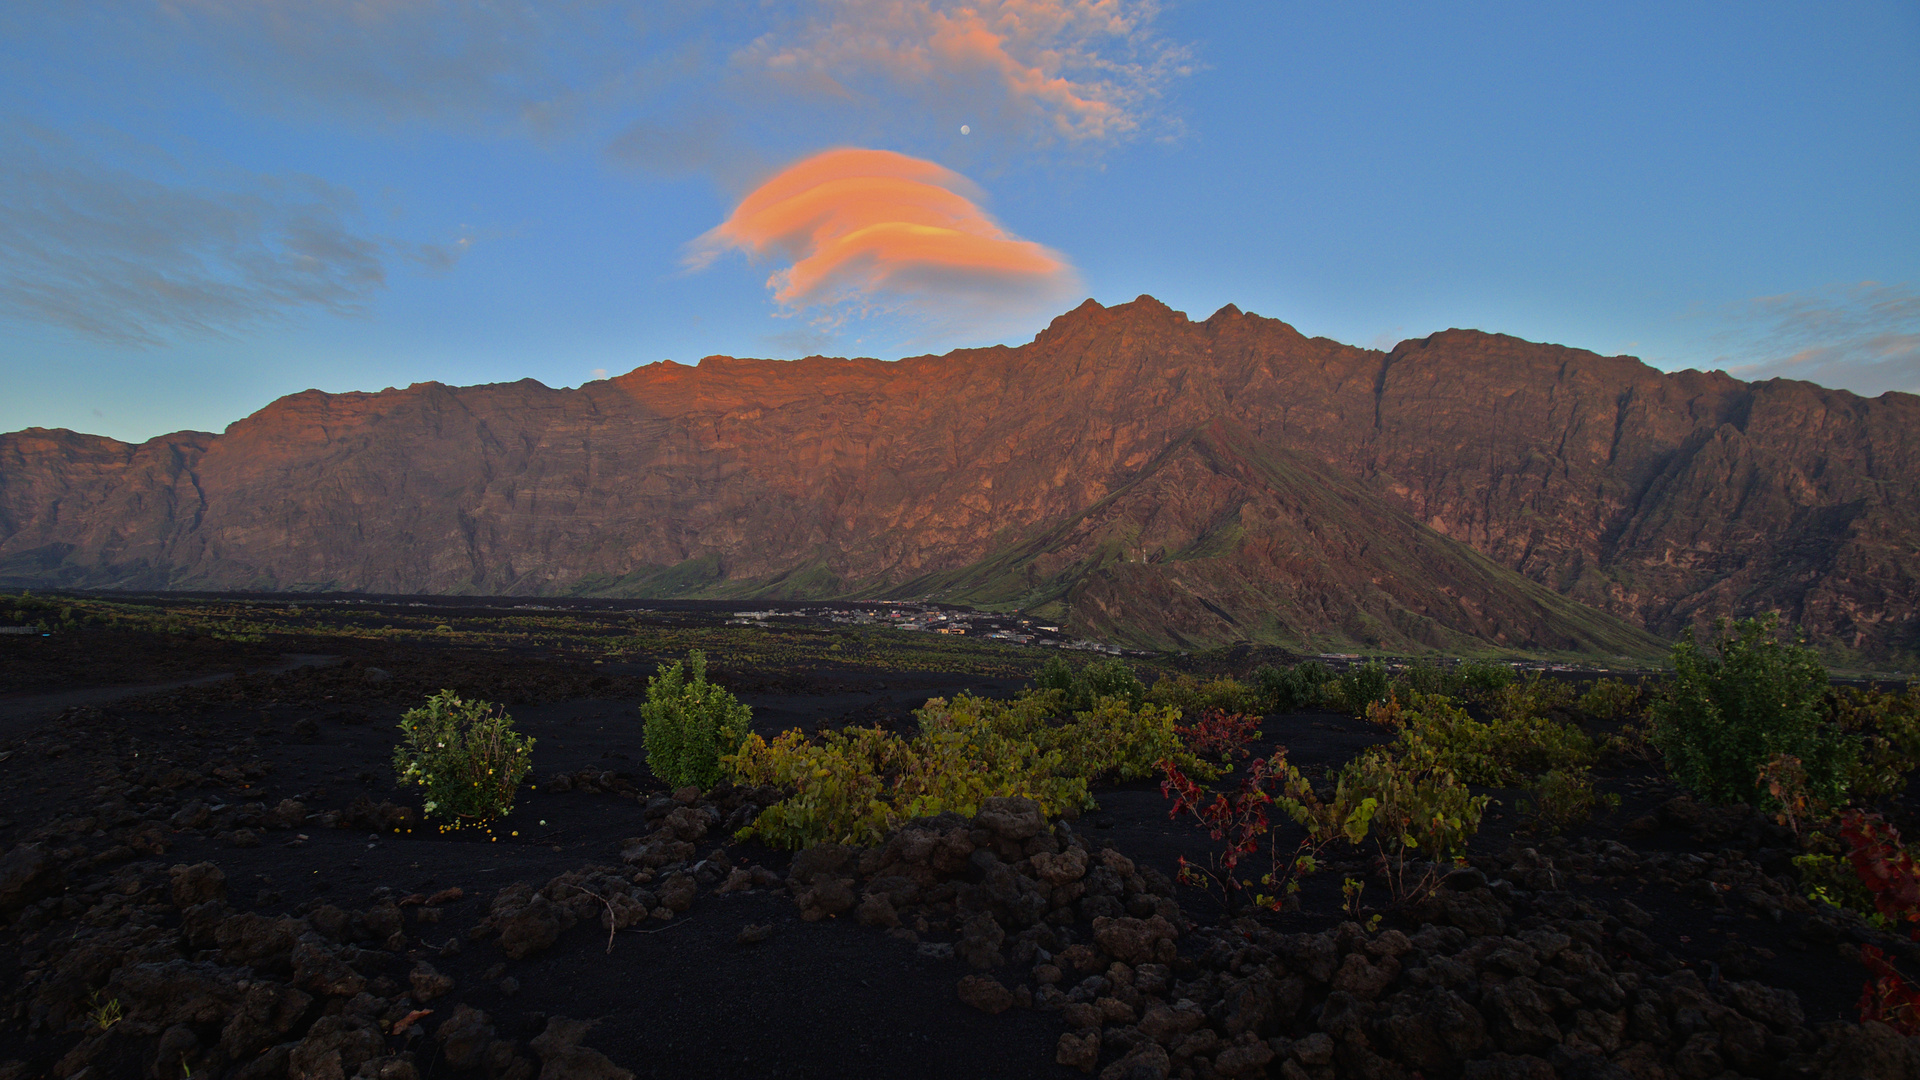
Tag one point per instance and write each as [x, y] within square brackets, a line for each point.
[132, 964]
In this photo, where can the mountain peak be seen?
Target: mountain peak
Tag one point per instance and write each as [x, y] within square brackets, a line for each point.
[1139, 472]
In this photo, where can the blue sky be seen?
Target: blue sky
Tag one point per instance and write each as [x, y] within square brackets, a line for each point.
[205, 204]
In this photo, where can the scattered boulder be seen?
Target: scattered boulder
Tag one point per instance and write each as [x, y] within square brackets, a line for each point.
[335, 1047]
[427, 983]
[563, 1058]
[464, 1037]
[986, 993]
[1078, 1051]
[531, 928]
[1135, 941]
[27, 873]
[980, 940]
[1011, 818]
[1146, 1061]
[197, 884]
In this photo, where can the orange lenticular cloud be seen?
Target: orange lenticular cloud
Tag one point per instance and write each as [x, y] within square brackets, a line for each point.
[864, 224]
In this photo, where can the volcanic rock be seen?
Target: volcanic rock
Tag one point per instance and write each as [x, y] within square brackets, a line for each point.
[1263, 485]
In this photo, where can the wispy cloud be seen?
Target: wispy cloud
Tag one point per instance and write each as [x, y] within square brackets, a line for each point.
[1863, 337]
[1073, 70]
[90, 244]
[135, 248]
[534, 66]
[872, 228]
[1055, 78]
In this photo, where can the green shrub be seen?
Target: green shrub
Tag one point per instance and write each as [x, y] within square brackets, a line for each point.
[1529, 698]
[691, 724]
[1424, 678]
[1299, 687]
[1192, 696]
[1484, 676]
[1358, 687]
[1420, 806]
[1056, 674]
[1888, 729]
[854, 785]
[1503, 751]
[1562, 798]
[468, 757]
[1110, 739]
[1613, 700]
[1110, 677]
[1743, 701]
[836, 787]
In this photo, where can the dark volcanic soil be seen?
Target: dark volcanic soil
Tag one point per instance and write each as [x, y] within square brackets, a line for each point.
[116, 795]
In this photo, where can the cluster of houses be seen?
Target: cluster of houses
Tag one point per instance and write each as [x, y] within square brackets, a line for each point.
[929, 619]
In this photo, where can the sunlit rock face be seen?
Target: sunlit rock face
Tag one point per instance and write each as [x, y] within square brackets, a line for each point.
[1147, 478]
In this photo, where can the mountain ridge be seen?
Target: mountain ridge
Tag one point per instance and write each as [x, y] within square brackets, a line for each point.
[1655, 500]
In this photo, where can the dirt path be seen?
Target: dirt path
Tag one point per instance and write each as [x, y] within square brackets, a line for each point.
[18, 713]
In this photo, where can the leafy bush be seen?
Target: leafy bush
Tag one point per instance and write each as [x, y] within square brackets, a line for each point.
[1219, 734]
[1111, 737]
[1504, 751]
[468, 757]
[852, 786]
[1484, 676]
[1426, 678]
[691, 724]
[1193, 696]
[1056, 674]
[1127, 742]
[1079, 690]
[836, 787]
[1613, 700]
[1888, 729]
[1356, 688]
[1884, 865]
[1829, 878]
[1238, 821]
[1890, 873]
[1529, 698]
[1736, 705]
[1562, 798]
[1419, 806]
[1299, 687]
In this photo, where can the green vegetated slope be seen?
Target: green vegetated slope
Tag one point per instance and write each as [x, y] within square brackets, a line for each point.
[1221, 538]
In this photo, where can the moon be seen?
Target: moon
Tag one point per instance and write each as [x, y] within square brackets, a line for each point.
[965, 130]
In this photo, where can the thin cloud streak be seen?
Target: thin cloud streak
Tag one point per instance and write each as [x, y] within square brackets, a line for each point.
[877, 229]
[97, 248]
[536, 67]
[1863, 337]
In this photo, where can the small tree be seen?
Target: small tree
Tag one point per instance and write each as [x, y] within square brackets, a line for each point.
[467, 756]
[691, 724]
[1359, 687]
[1299, 687]
[1081, 689]
[1739, 704]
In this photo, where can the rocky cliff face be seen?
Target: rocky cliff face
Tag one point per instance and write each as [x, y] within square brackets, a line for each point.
[1147, 477]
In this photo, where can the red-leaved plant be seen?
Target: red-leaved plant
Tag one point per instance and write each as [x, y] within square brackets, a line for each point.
[1888, 996]
[1884, 866]
[1889, 872]
[1238, 821]
[1220, 734]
